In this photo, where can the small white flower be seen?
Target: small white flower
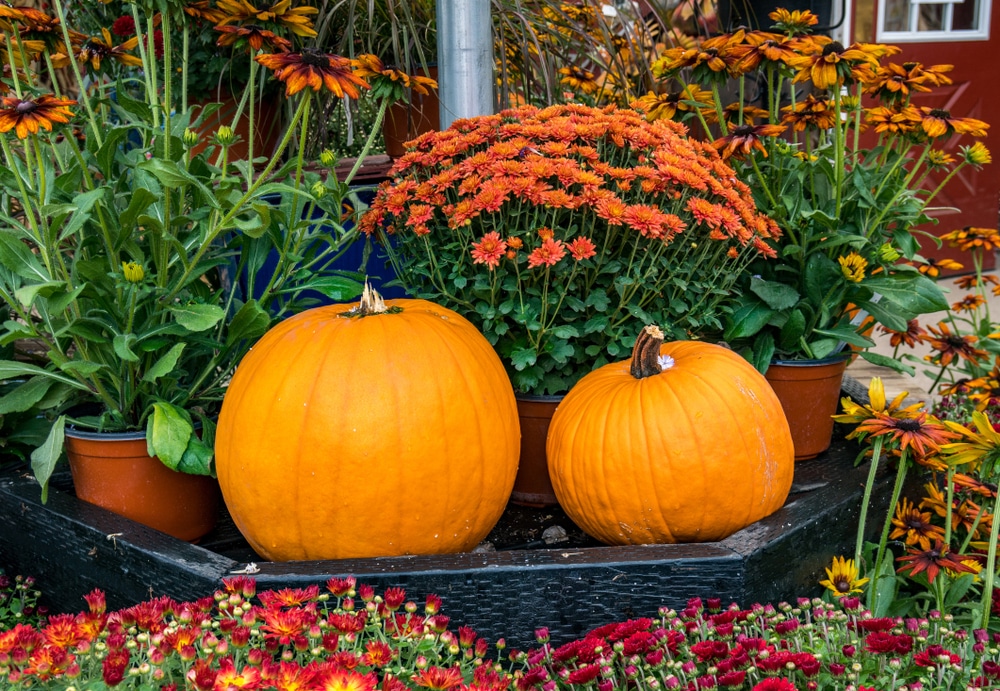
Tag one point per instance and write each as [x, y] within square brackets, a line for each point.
[666, 362]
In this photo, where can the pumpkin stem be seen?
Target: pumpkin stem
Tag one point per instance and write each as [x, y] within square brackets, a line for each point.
[371, 302]
[646, 353]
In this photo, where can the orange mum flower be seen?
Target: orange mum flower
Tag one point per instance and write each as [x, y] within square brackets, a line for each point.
[28, 115]
[582, 248]
[315, 69]
[488, 250]
[549, 254]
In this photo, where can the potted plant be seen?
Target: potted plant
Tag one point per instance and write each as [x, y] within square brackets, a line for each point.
[135, 266]
[403, 35]
[848, 204]
[559, 232]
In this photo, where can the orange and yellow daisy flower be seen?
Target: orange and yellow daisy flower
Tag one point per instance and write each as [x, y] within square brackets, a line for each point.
[26, 116]
[314, 69]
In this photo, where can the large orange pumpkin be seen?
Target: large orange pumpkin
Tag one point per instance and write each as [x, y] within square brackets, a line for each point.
[382, 429]
[685, 443]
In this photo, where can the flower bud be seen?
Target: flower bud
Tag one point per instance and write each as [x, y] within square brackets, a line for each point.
[133, 272]
[328, 159]
[225, 135]
[318, 190]
[190, 137]
[888, 253]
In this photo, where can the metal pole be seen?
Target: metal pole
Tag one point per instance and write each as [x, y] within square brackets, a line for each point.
[465, 59]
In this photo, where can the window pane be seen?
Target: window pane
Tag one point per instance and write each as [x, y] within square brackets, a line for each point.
[931, 18]
[897, 15]
[965, 16]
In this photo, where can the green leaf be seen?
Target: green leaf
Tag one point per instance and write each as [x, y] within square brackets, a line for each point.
[886, 361]
[565, 331]
[523, 357]
[138, 202]
[83, 203]
[109, 148]
[12, 369]
[249, 322]
[172, 175]
[197, 458]
[27, 294]
[167, 434]
[777, 296]
[792, 330]
[885, 314]
[847, 335]
[17, 257]
[596, 324]
[198, 317]
[46, 456]
[165, 365]
[26, 395]
[256, 222]
[763, 351]
[340, 288]
[747, 320]
[123, 347]
[913, 292]
[824, 347]
[598, 299]
[83, 367]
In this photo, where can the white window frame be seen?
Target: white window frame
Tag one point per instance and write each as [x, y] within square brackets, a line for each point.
[982, 34]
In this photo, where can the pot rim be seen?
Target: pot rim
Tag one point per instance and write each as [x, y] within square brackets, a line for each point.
[535, 398]
[90, 435]
[812, 363]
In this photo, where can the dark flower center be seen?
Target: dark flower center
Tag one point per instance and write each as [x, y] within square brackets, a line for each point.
[315, 58]
[834, 47]
[940, 113]
[908, 425]
[97, 48]
[25, 107]
[843, 586]
[744, 131]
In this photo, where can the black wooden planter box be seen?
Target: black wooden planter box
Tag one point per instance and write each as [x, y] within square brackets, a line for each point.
[71, 547]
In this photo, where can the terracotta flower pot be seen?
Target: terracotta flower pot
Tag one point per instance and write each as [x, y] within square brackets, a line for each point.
[115, 472]
[532, 486]
[267, 125]
[406, 121]
[809, 391]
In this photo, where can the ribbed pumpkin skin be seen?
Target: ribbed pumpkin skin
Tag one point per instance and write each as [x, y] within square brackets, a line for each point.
[692, 454]
[369, 436]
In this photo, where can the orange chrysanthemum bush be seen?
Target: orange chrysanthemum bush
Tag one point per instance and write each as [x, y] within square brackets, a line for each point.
[559, 231]
[839, 153]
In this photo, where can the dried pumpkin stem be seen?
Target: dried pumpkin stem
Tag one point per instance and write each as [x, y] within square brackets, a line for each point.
[646, 353]
[371, 302]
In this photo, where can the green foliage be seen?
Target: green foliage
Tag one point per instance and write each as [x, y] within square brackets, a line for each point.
[142, 261]
[19, 602]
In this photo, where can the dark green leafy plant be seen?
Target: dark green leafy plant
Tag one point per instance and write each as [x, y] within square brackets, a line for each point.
[141, 266]
[849, 206]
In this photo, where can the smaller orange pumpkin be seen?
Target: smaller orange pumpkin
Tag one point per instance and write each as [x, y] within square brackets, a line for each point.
[684, 443]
